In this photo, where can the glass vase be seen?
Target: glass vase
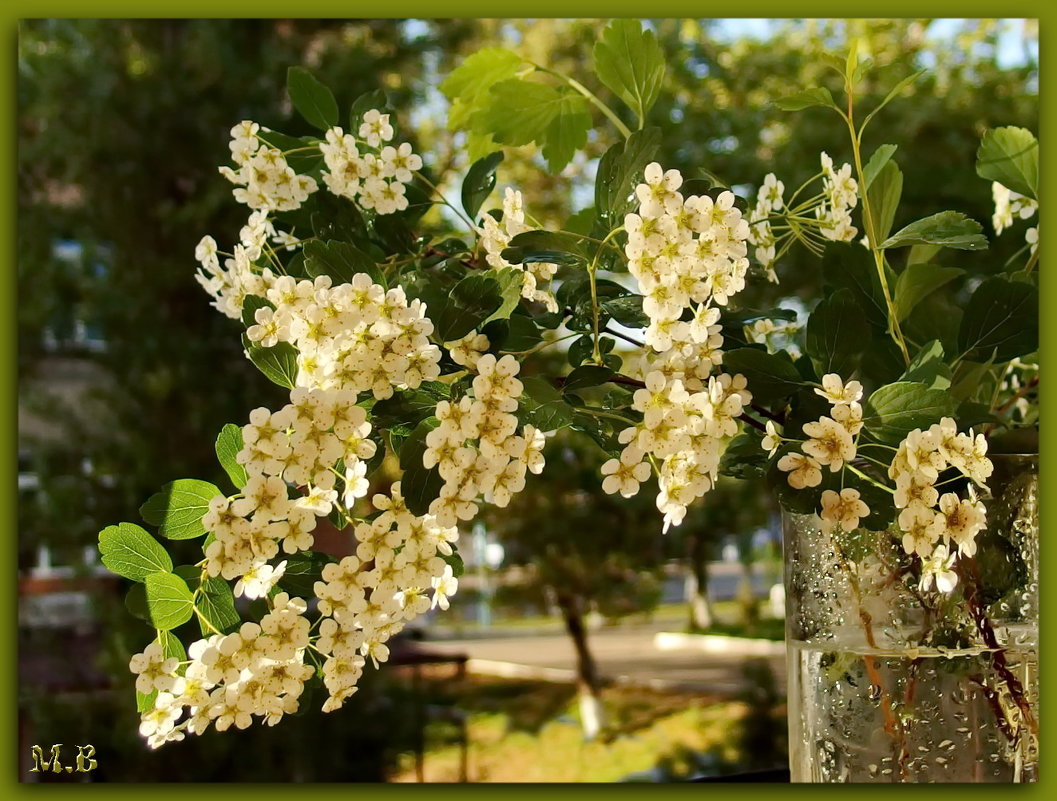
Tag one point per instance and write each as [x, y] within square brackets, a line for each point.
[892, 681]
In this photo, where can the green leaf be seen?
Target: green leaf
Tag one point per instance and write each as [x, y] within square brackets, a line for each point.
[922, 254]
[136, 602]
[420, 487]
[895, 410]
[884, 194]
[917, 281]
[770, 377]
[468, 84]
[1010, 155]
[543, 406]
[408, 407]
[341, 261]
[519, 334]
[520, 112]
[470, 303]
[510, 280]
[630, 61]
[302, 572]
[415, 444]
[129, 551]
[877, 161]
[250, 304]
[619, 171]
[278, 363]
[313, 101]
[548, 247]
[899, 87]
[627, 311]
[374, 99]
[744, 456]
[816, 96]
[169, 601]
[1002, 317]
[836, 334]
[929, 367]
[567, 132]
[217, 605]
[454, 560]
[968, 378]
[178, 508]
[951, 229]
[229, 443]
[479, 182]
[589, 375]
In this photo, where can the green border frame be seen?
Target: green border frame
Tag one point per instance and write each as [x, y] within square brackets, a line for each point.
[480, 8]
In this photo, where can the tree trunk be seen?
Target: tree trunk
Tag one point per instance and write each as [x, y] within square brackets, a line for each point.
[592, 715]
[701, 613]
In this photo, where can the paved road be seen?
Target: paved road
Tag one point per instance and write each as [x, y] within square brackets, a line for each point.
[625, 654]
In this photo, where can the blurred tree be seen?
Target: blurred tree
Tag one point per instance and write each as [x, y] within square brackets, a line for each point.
[590, 550]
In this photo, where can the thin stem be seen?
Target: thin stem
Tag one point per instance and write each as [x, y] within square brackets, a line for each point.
[872, 480]
[602, 413]
[625, 337]
[583, 90]
[541, 346]
[872, 236]
[592, 271]
[445, 201]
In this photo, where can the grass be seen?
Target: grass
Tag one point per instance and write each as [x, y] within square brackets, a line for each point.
[526, 731]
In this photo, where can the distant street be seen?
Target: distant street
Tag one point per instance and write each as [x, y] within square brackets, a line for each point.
[624, 653]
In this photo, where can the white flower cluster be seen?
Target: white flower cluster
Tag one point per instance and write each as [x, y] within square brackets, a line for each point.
[370, 596]
[831, 443]
[497, 235]
[685, 254]
[299, 445]
[354, 336]
[263, 179]
[930, 521]
[1010, 205]
[373, 180]
[476, 447]
[229, 285]
[768, 200]
[258, 671]
[841, 196]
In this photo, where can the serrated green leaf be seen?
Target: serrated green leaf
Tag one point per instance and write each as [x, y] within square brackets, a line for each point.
[178, 508]
[510, 280]
[312, 99]
[454, 560]
[770, 377]
[169, 601]
[1002, 318]
[917, 281]
[278, 363]
[566, 133]
[479, 182]
[229, 443]
[216, 603]
[895, 410]
[136, 602]
[816, 96]
[420, 487]
[468, 84]
[1010, 155]
[409, 406]
[629, 60]
[619, 171]
[414, 445]
[951, 229]
[899, 87]
[129, 551]
[836, 334]
[519, 334]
